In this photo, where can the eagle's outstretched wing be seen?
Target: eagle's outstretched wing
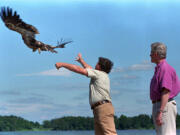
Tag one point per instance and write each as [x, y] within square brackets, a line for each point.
[45, 47]
[13, 21]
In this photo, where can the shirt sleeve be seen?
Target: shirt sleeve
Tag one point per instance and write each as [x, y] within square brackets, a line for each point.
[92, 73]
[166, 80]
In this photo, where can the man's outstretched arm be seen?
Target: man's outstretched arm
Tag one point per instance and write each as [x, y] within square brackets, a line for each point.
[83, 63]
[72, 67]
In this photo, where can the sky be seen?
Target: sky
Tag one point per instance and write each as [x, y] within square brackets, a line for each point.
[121, 30]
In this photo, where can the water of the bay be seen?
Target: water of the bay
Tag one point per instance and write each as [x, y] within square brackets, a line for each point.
[120, 132]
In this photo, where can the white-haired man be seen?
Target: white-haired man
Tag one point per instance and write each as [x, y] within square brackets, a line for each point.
[164, 86]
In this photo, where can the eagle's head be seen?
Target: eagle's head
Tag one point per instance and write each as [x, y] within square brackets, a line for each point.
[38, 42]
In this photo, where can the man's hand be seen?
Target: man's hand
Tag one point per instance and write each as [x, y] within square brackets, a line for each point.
[58, 65]
[159, 121]
[164, 100]
[81, 61]
[79, 57]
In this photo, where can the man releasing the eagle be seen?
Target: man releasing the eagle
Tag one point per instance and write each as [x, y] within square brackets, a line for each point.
[13, 21]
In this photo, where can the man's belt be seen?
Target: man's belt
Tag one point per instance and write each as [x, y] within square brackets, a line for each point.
[100, 103]
[155, 101]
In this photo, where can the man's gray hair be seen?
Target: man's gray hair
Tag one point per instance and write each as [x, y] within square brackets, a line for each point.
[159, 48]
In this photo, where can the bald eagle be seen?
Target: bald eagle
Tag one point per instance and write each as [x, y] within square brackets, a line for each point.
[13, 21]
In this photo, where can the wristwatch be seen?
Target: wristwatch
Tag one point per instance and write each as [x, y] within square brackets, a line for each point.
[160, 110]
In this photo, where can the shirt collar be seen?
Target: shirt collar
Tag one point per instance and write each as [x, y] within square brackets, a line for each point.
[162, 61]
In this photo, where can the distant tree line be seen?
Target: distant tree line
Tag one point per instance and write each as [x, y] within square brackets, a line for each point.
[70, 123]
[87, 123]
[141, 121]
[14, 123]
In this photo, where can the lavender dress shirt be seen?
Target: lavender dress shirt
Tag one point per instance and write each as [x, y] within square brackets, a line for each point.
[164, 77]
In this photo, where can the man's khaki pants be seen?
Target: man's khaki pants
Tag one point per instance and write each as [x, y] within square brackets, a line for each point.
[104, 120]
[168, 117]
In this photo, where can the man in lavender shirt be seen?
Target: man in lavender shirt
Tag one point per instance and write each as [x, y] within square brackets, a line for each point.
[164, 86]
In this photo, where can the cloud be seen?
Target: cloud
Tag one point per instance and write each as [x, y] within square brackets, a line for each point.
[40, 107]
[30, 100]
[21, 109]
[81, 97]
[118, 69]
[141, 67]
[125, 80]
[51, 72]
[144, 66]
[43, 110]
[128, 77]
[75, 86]
[115, 92]
[10, 93]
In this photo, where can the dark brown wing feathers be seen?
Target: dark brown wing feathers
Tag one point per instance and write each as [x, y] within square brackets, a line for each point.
[13, 21]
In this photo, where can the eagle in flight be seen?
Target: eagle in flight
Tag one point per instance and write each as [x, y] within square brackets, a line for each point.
[13, 21]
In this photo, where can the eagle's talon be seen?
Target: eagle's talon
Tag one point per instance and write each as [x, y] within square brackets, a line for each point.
[39, 50]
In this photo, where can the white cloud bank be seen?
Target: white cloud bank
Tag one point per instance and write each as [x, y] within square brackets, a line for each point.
[144, 66]
[51, 72]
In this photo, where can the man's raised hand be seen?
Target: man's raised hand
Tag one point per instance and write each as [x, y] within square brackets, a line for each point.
[58, 66]
[79, 57]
